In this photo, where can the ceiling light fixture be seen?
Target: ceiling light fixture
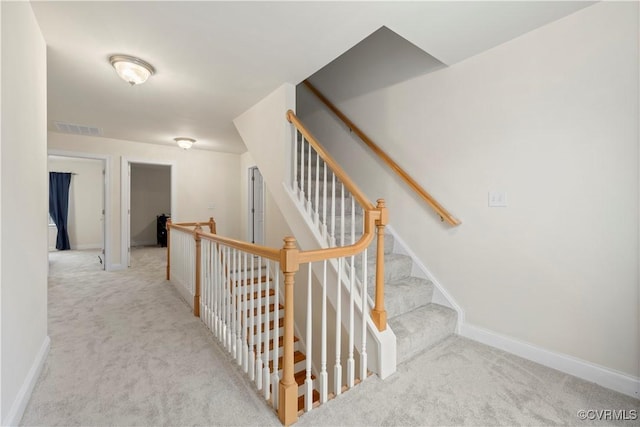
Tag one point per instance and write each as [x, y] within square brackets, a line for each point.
[184, 143]
[132, 70]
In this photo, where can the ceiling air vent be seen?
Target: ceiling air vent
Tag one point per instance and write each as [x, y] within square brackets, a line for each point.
[78, 129]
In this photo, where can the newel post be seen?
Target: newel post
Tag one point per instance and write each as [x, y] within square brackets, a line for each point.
[168, 225]
[379, 314]
[212, 225]
[288, 388]
[196, 294]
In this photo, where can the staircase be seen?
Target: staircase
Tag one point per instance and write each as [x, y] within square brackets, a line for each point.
[416, 320]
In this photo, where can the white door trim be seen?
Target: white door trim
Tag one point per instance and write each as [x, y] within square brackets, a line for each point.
[125, 199]
[106, 227]
[251, 217]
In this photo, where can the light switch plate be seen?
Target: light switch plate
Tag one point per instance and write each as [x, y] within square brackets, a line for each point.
[497, 199]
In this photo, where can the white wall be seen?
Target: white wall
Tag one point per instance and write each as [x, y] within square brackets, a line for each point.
[23, 199]
[552, 119]
[150, 197]
[203, 179]
[85, 201]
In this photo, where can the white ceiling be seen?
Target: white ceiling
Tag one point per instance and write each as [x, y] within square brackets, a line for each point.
[214, 60]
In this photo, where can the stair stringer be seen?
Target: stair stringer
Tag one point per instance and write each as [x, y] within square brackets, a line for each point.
[269, 138]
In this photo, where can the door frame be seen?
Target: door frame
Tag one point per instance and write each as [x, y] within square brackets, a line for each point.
[250, 216]
[108, 264]
[125, 201]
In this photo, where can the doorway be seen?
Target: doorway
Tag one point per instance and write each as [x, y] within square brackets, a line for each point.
[148, 195]
[88, 218]
[256, 206]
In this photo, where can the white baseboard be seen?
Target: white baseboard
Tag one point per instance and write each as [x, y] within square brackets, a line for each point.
[144, 243]
[592, 372]
[24, 394]
[87, 246]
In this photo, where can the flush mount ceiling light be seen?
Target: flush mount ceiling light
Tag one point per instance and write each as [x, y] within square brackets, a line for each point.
[184, 143]
[132, 70]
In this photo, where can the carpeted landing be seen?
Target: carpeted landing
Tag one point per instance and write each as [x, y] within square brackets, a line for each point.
[126, 351]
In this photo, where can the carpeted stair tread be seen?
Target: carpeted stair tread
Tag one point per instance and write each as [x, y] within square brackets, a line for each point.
[422, 328]
[396, 267]
[405, 295]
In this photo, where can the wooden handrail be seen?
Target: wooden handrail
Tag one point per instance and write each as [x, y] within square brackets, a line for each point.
[440, 210]
[263, 251]
[314, 255]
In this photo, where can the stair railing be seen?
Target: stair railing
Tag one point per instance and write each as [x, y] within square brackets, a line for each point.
[235, 288]
[444, 214]
[333, 202]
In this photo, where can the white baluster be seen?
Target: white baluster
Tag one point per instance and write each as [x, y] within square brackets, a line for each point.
[352, 280]
[332, 242]
[324, 379]
[309, 194]
[265, 369]
[238, 292]
[216, 284]
[294, 185]
[234, 293]
[204, 294]
[252, 325]
[276, 336]
[220, 301]
[247, 325]
[308, 382]
[350, 360]
[316, 217]
[229, 313]
[365, 316]
[259, 364]
[324, 202]
[210, 284]
[337, 370]
[225, 286]
[302, 150]
[342, 224]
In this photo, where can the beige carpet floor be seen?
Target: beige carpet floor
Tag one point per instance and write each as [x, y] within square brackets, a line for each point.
[126, 351]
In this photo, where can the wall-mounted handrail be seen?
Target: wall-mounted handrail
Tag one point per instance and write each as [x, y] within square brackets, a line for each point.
[412, 183]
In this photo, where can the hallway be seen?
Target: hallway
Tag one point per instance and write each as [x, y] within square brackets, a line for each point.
[125, 350]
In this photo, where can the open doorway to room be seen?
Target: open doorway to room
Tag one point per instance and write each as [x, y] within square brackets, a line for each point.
[86, 223]
[256, 206]
[147, 203]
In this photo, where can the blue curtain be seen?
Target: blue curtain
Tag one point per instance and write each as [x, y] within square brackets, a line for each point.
[59, 206]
